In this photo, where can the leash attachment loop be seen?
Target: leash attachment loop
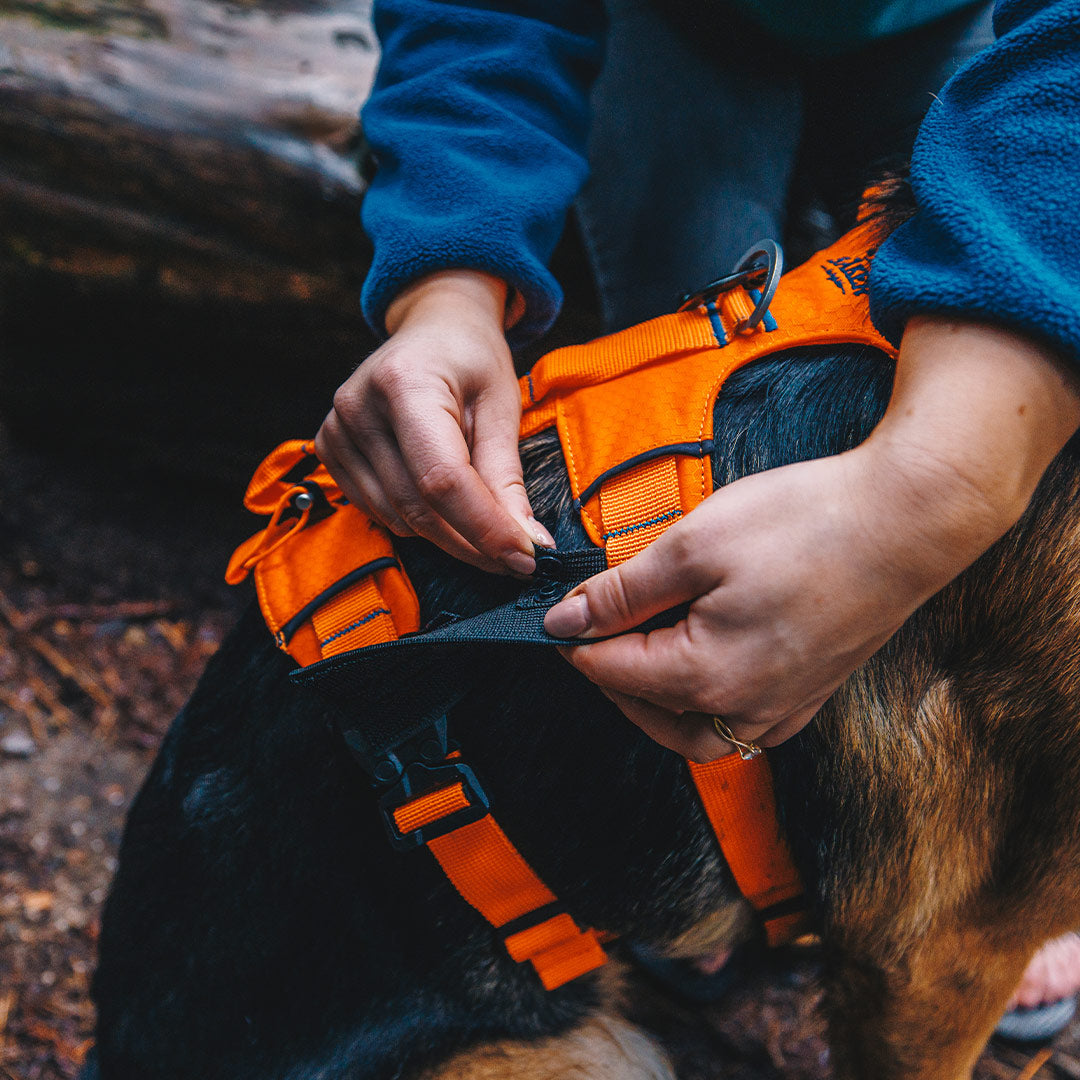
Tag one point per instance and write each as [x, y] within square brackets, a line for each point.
[750, 273]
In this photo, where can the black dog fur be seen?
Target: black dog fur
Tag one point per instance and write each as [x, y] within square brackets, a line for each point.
[260, 926]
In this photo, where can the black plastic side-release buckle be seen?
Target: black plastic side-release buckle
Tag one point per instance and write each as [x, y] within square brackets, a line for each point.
[415, 768]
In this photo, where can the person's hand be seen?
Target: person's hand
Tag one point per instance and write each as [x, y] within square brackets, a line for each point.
[424, 434]
[797, 575]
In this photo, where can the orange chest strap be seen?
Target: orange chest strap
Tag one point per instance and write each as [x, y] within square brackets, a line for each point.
[634, 414]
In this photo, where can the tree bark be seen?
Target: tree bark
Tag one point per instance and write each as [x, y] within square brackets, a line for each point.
[180, 246]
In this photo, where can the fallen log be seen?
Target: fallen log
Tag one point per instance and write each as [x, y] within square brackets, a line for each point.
[180, 247]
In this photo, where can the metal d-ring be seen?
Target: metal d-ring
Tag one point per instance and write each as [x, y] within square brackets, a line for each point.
[774, 267]
[749, 272]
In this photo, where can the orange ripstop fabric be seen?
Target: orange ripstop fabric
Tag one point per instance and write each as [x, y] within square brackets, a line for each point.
[299, 559]
[654, 385]
[266, 486]
[291, 577]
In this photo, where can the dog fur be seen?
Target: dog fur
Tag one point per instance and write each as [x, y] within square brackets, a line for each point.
[260, 926]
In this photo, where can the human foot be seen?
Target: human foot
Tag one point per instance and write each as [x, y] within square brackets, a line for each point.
[1045, 1000]
[1052, 974]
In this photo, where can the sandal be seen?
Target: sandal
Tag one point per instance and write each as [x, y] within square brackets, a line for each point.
[1037, 1024]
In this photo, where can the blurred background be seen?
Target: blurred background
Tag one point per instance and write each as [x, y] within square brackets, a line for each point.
[180, 264]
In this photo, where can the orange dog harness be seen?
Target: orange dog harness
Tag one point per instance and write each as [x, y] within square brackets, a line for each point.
[634, 414]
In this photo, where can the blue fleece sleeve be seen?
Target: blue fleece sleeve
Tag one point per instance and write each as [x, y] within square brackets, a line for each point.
[478, 121]
[995, 174]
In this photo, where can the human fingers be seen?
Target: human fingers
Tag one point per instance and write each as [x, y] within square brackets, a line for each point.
[679, 672]
[691, 734]
[790, 726]
[661, 667]
[495, 456]
[446, 489]
[391, 469]
[383, 485]
[696, 736]
[667, 573]
[355, 477]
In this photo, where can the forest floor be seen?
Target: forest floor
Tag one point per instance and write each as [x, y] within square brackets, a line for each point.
[111, 601]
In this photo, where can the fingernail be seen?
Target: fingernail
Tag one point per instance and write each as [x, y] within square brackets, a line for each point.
[568, 618]
[519, 562]
[540, 534]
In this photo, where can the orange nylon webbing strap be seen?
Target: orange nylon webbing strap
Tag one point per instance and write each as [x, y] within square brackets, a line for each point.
[357, 617]
[740, 804]
[637, 506]
[328, 582]
[489, 872]
[737, 794]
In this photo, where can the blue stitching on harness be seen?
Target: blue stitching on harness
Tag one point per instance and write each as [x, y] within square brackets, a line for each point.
[353, 626]
[717, 326]
[643, 524]
[532, 392]
[767, 321]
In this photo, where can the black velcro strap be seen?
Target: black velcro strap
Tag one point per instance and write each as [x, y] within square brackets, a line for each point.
[393, 691]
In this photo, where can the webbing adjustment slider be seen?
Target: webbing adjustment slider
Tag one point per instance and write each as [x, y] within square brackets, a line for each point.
[430, 801]
[426, 790]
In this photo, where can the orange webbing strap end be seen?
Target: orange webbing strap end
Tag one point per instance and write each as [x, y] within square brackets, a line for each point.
[490, 874]
[740, 803]
[616, 354]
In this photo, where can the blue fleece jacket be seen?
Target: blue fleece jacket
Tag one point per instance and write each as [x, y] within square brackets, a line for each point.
[478, 120]
[995, 173]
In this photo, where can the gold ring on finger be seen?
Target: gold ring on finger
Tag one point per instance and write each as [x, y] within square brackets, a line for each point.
[747, 750]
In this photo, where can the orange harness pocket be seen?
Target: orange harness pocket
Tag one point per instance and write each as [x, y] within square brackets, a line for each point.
[326, 575]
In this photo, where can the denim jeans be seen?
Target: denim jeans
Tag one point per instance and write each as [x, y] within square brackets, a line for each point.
[708, 134]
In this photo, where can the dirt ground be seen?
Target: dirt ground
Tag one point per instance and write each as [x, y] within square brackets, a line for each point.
[110, 603]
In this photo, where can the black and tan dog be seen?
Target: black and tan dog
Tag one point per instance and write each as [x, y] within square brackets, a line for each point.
[261, 928]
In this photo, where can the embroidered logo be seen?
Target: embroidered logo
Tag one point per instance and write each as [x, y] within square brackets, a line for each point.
[853, 270]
